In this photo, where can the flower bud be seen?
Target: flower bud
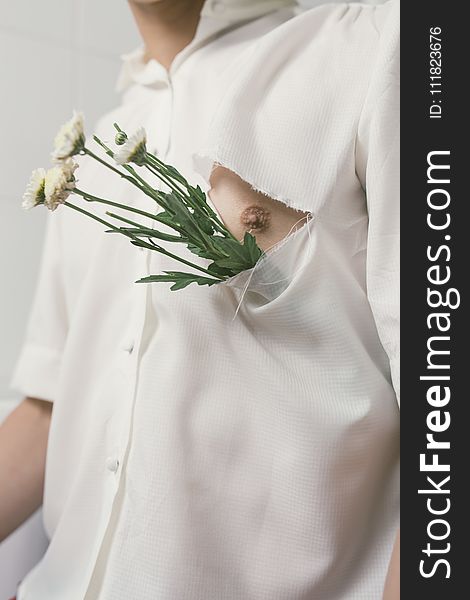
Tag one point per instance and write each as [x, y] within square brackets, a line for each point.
[121, 138]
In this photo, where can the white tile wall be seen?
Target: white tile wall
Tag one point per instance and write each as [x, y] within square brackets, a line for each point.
[55, 55]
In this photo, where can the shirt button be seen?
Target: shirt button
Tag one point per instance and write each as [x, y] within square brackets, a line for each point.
[129, 347]
[112, 464]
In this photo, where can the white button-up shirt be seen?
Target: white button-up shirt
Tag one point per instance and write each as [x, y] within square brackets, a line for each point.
[197, 452]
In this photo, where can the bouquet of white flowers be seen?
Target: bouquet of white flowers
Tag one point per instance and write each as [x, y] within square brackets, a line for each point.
[184, 208]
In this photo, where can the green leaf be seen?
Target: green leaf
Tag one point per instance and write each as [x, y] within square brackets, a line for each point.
[204, 223]
[202, 252]
[165, 217]
[184, 218]
[183, 223]
[141, 244]
[150, 233]
[254, 251]
[218, 242]
[232, 264]
[222, 271]
[239, 256]
[180, 279]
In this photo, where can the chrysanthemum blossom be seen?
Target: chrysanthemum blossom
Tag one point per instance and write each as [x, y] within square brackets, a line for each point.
[133, 150]
[70, 139]
[59, 184]
[34, 193]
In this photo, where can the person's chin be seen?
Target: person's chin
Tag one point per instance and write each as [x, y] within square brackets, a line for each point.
[145, 1]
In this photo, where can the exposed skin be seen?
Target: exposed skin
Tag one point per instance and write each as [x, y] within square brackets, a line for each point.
[166, 26]
[392, 583]
[243, 209]
[23, 445]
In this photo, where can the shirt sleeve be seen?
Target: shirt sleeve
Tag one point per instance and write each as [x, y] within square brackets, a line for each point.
[37, 370]
[378, 168]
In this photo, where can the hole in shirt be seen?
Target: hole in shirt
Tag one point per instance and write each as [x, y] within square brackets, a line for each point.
[243, 209]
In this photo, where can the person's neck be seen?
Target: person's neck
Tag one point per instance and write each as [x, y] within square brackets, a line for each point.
[166, 27]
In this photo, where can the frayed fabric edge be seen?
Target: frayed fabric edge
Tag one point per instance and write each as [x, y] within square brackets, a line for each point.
[206, 161]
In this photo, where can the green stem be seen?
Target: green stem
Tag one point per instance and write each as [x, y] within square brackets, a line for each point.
[143, 187]
[149, 191]
[155, 194]
[165, 180]
[91, 198]
[146, 231]
[159, 168]
[96, 218]
[217, 224]
[141, 242]
[156, 163]
[106, 148]
[182, 260]
[146, 188]
[106, 164]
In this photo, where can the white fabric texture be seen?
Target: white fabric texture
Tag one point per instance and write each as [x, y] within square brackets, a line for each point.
[193, 455]
[319, 135]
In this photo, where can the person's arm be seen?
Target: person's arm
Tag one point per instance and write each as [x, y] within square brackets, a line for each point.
[392, 583]
[23, 444]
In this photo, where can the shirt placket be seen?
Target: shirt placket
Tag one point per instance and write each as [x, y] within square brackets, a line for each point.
[160, 123]
[129, 361]
[121, 427]
[159, 134]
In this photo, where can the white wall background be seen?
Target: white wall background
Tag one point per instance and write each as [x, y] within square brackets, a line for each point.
[55, 55]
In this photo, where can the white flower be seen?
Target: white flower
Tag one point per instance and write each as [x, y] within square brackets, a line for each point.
[34, 193]
[133, 149]
[59, 184]
[70, 139]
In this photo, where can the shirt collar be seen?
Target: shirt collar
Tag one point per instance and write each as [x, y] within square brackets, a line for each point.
[217, 16]
[135, 70]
